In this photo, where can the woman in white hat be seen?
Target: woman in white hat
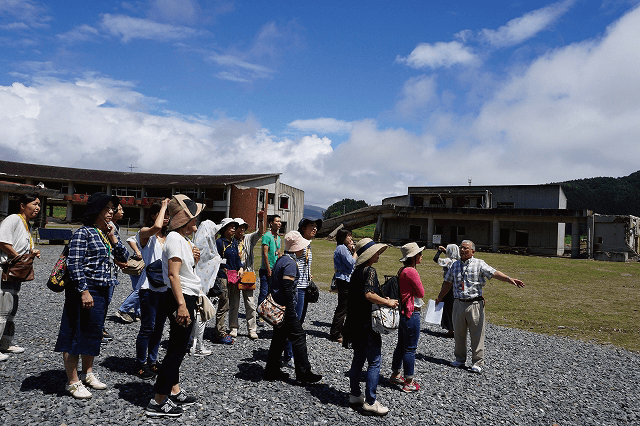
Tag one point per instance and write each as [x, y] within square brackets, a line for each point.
[411, 294]
[366, 343]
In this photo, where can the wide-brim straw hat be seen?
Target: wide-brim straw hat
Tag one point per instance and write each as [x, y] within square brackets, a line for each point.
[366, 248]
[294, 241]
[409, 250]
[181, 210]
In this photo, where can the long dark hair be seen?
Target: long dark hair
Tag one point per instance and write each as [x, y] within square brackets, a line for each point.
[342, 235]
[149, 219]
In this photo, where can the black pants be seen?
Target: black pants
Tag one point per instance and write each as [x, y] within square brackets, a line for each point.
[341, 310]
[169, 372]
[291, 329]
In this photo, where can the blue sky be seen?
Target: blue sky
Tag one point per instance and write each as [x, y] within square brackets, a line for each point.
[352, 99]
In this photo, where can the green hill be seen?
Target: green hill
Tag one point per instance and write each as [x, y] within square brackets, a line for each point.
[605, 195]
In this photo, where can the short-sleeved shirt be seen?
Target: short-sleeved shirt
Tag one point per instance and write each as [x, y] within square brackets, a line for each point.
[363, 280]
[13, 231]
[178, 246]
[285, 266]
[468, 277]
[273, 244]
[228, 250]
[150, 253]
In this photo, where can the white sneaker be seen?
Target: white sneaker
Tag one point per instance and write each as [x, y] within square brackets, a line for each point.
[78, 391]
[476, 369]
[92, 381]
[376, 408]
[13, 350]
[253, 335]
[234, 332]
[356, 400]
[203, 351]
[3, 357]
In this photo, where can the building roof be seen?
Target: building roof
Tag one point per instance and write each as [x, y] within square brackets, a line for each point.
[43, 172]
[463, 189]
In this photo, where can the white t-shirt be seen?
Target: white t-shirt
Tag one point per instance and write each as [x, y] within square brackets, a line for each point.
[150, 253]
[178, 246]
[12, 231]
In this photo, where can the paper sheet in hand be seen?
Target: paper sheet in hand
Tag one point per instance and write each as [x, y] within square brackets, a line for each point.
[434, 313]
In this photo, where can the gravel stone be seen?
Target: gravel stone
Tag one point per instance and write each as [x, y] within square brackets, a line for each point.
[529, 379]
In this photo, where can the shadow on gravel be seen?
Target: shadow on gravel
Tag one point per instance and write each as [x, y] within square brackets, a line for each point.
[258, 355]
[436, 333]
[432, 360]
[136, 393]
[382, 381]
[118, 364]
[249, 371]
[329, 395]
[321, 324]
[317, 333]
[50, 382]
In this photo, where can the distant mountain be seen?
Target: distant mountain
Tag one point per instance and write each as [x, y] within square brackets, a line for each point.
[313, 212]
[605, 195]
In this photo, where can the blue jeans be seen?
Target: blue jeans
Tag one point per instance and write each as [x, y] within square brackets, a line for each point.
[405, 352]
[152, 319]
[132, 302]
[264, 286]
[301, 311]
[368, 348]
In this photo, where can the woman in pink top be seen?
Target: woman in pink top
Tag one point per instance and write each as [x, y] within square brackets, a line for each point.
[411, 294]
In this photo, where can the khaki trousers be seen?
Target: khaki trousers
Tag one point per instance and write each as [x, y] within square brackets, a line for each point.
[469, 316]
[234, 307]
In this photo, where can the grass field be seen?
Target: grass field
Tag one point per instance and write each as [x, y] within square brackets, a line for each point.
[583, 299]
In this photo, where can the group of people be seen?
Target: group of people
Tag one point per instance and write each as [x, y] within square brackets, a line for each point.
[186, 264]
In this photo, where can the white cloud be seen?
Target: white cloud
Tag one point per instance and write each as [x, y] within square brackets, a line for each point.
[439, 54]
[417, 93]
[129, 28]
[79, 34]
[322, 125]
[27, 12]
[526, 26]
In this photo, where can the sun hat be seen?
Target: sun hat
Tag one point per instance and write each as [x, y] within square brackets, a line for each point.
[225, 222]
[294, 241]
[305, 221]
[409, 250]
[95, 203]
[241, 222]
[181, 210]
[366, 248]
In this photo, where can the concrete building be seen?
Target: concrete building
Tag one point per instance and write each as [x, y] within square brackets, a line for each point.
[223, 195]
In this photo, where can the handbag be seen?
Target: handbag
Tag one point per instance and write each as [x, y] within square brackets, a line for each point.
[134, 266]
[384, 319]
[248, 281]
[205, 307]
[20, 268]
[60, 277]
[313, 293]
[154, 274]
[334, 285]
[232, 276]
[270, 311]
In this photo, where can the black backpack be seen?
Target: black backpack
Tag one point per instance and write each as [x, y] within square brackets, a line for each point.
[391, 287]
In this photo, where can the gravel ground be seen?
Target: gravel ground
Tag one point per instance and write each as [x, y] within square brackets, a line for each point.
[528, 379]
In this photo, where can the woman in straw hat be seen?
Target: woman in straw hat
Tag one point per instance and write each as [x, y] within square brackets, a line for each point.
[283, 290]
[179, 257]
[366, 343]
[411, 294]
[87, 298]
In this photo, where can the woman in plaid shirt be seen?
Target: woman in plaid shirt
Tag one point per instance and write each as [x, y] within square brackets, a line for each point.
[92, 271]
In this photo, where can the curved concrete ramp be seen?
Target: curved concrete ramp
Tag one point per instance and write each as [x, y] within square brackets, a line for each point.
[355, 219]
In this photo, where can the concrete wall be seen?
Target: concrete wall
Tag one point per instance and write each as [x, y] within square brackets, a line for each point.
[615, 234]
[529, 197]
[295, 211]
[401, 200]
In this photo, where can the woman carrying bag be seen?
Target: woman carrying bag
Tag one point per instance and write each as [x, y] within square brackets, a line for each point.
[15, 240]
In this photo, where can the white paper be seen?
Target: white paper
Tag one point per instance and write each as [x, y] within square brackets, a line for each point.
[434, 313]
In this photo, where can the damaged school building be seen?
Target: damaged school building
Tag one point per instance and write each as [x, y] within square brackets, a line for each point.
[531, 219]
[223, 195]
[524, 218]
